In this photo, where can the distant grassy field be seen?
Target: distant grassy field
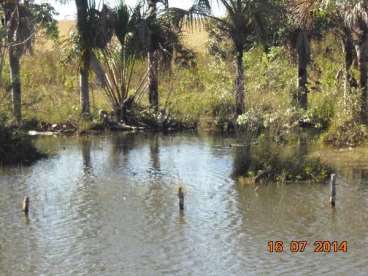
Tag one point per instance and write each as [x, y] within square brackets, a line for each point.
[194, 37]
[65, 26]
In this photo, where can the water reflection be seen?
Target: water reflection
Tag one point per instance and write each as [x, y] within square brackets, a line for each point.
[86, 144]
[242, 161]
[268, 161]
[303, 144]
[155, 152]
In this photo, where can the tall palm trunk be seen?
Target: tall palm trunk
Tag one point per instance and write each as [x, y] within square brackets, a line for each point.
[84, 88]
[348, 48]
[14, 63]
[361, 50]
[239, 83]
[302, 82]
[12, 22]
[83, 28]
[152, 62]
[303, 60]
[153, 80]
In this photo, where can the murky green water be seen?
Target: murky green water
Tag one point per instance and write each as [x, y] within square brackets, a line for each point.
[108, 206]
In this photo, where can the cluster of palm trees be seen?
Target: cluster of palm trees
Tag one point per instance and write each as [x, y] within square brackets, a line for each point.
[144, 30]
[349, 20]
[245, 22]
[249, 21]
[152, 29]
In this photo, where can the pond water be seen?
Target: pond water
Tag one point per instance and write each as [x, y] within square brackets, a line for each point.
[108, 205]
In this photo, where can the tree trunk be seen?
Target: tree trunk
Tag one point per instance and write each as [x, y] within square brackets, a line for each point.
[14, 63]
[348, 48]
[84, 89]
[12, 23]
[152, 61]
[152, 80]
[302, 82]
[96, 67]
[239, 83]
[303, 60]
[82, 18]
[84, 43]
[361, 50]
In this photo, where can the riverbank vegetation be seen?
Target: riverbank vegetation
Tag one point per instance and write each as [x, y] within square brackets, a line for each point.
[268, 162]
[16, 147]
[267, 66]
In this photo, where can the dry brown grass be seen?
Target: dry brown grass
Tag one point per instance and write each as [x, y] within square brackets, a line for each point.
[65, 26]
[194, 37]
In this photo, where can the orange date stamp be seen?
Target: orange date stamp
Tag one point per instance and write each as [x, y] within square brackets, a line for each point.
[299, 246]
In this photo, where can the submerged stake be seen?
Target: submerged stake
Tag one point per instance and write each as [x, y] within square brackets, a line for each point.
[25, 206]
[333, 190]
[181, 198]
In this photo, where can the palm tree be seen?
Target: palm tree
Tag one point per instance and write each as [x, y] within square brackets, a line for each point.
[139, 36]
[152, 58]
[94, 26]
[159, 31]
[90, 36]
[302, 16]
[355, 21]
[245, 22]
[86, 49]
[115, 64]
[356, 18]
[303, 51]
[349, 54]
[343, 32]
[163, 28]
[310, 19]
[153, 49]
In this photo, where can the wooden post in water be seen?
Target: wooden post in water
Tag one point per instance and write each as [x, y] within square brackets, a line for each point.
[181, 198]
[333, 190]
[25, 205]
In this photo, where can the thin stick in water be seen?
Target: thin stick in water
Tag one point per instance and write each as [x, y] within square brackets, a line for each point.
[25, 205]
[181, 198]
[333, 190]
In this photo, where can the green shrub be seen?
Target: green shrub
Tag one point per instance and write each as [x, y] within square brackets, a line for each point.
[320, 112]
[346, 134]
[346, 129]
[271, 162]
